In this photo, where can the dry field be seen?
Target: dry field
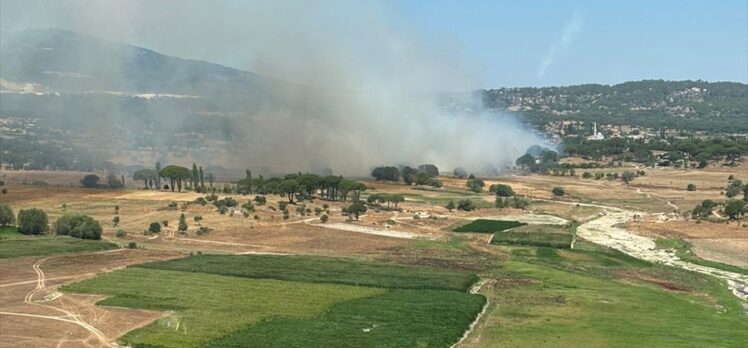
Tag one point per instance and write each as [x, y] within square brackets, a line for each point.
[34, 314]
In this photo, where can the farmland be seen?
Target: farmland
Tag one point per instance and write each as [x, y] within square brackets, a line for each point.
[212, 309]
[418, 275]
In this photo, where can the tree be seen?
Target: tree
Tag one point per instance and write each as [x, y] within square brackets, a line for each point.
[409, 175]
[144, 174]
[558, 191]
[6, 215]
[182, 227]
[450, 205]
[429, 169]
[175, 174]
[734, 208]
[691, 187]
[386, 173]
[290, 188]
[525, 160]
[158, 175]
[460, 172]
[502, 190]
[475, 185]
[198, 218]
[90, 181]
[211, 179]
[78, 226]
[115, 221]
[356, 209]
[154, 227]
[32, 221]
[323, 219]
[202, 179]
[195, 178]
[465, 205]
[627, 176]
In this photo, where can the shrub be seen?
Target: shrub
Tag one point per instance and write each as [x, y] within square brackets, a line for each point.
[222, 210]
[90, 180]
[475, 185]
[691, 187]
[132, 245]
[6, 215]
[465, 205]
[323, 219]
[225, 202]
[201, 200]
[165, 223]
[154, 227]
[198, 218]
[172, 204]
[282, 205]
[501, 190]
[558, 191]
[32, 221]
[586, 175]
[115, 221]
[120, 234]
[78, 226]
[260, 200]
[450, 205]
[248, 206]
[182, 227]
[202, 230]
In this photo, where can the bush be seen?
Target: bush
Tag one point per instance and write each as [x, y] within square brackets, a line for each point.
[501, 190]
[691, 187]
[260, 200]
[465, 205]
[202, 230]
[282, 205]
[132, 245]
[120, 234]
[558, 191]
[475, 185]
[78, 226]
[323, 219]
[248, 206]
[115, 221]
[154, 227]
[182, 224]
[32, 221]
[586, 175]
[6, 215]
[226, 202]
[90, 180]
[165, 223]
[202, 201]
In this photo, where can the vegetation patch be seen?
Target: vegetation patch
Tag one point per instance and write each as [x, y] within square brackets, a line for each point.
[541, 239]
[17, 245]
[209, 306]
[321, 270]
[397, 318]
[488, 226]
[683, 251]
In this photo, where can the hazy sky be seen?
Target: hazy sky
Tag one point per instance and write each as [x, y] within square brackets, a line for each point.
[497, 43]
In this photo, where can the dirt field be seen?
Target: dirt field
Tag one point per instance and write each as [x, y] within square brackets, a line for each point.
[34, 314]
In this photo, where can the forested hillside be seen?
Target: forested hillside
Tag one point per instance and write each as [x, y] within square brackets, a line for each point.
[689, 105]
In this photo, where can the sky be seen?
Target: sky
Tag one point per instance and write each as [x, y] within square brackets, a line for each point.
[497, 43]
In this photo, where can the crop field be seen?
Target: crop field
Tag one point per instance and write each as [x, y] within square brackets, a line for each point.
[13, 244]
[214, 305]
[322, 270]
[488, 226]
[553, 236]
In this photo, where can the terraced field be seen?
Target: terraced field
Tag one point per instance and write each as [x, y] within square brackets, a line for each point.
[226, 301]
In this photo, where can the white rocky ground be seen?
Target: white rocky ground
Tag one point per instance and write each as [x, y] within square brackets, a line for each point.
[605, 231]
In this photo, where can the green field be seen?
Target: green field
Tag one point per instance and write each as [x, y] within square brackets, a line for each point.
[488, 226]
[14, 244]
[566, 298]
[322, 270]
[307, 303]
[398, 318]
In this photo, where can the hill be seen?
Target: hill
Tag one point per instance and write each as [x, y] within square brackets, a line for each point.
[690, 105]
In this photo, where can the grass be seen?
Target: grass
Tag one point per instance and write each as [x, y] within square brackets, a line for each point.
[554, 299]
[551, 236]
[210, 306]
[322, 270]
[488, 226]
[683, 250]
[397, 318]
[14, 244]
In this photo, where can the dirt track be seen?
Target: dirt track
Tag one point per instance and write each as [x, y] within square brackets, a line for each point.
[33, 313]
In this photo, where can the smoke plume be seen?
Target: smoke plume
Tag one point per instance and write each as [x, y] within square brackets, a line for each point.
[356, 86]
